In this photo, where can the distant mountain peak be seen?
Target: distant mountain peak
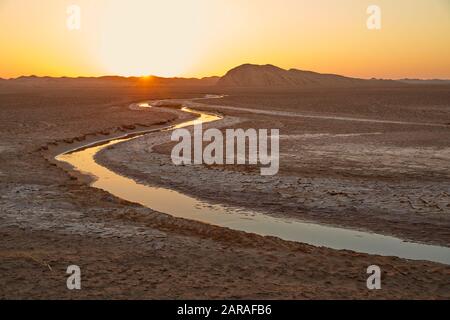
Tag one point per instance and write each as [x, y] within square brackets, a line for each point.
[270, 76]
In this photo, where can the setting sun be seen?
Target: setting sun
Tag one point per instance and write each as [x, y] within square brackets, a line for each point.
[151, 39]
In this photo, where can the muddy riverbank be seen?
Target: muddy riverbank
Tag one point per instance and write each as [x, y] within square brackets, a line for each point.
[50, 220]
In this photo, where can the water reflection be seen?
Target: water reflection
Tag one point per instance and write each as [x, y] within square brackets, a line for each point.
[144, 105]
[180, 205]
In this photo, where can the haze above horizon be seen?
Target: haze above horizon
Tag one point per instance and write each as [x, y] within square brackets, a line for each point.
[200, 38]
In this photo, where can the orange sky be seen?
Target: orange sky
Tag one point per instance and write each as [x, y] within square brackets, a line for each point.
[208, 37]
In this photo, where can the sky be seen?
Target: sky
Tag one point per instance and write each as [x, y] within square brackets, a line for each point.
[196, 38]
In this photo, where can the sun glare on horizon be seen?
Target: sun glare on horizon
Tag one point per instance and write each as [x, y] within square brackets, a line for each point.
[149, 40]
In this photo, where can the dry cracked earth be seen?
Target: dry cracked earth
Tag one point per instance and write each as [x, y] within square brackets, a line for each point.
[383, 177]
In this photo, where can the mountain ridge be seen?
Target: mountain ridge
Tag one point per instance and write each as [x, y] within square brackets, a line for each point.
[243, 76]
[265, 76]
[38, 81]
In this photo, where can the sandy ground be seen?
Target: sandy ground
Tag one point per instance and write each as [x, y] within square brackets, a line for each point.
[49, 220]
[383, 175]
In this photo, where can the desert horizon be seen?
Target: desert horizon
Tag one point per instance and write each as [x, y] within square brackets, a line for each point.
[225, 158]
[205, 77]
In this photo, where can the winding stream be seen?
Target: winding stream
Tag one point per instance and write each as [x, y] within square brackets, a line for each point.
[181, 205]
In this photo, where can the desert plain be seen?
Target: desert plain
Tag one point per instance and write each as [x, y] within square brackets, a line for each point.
[375, 159]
